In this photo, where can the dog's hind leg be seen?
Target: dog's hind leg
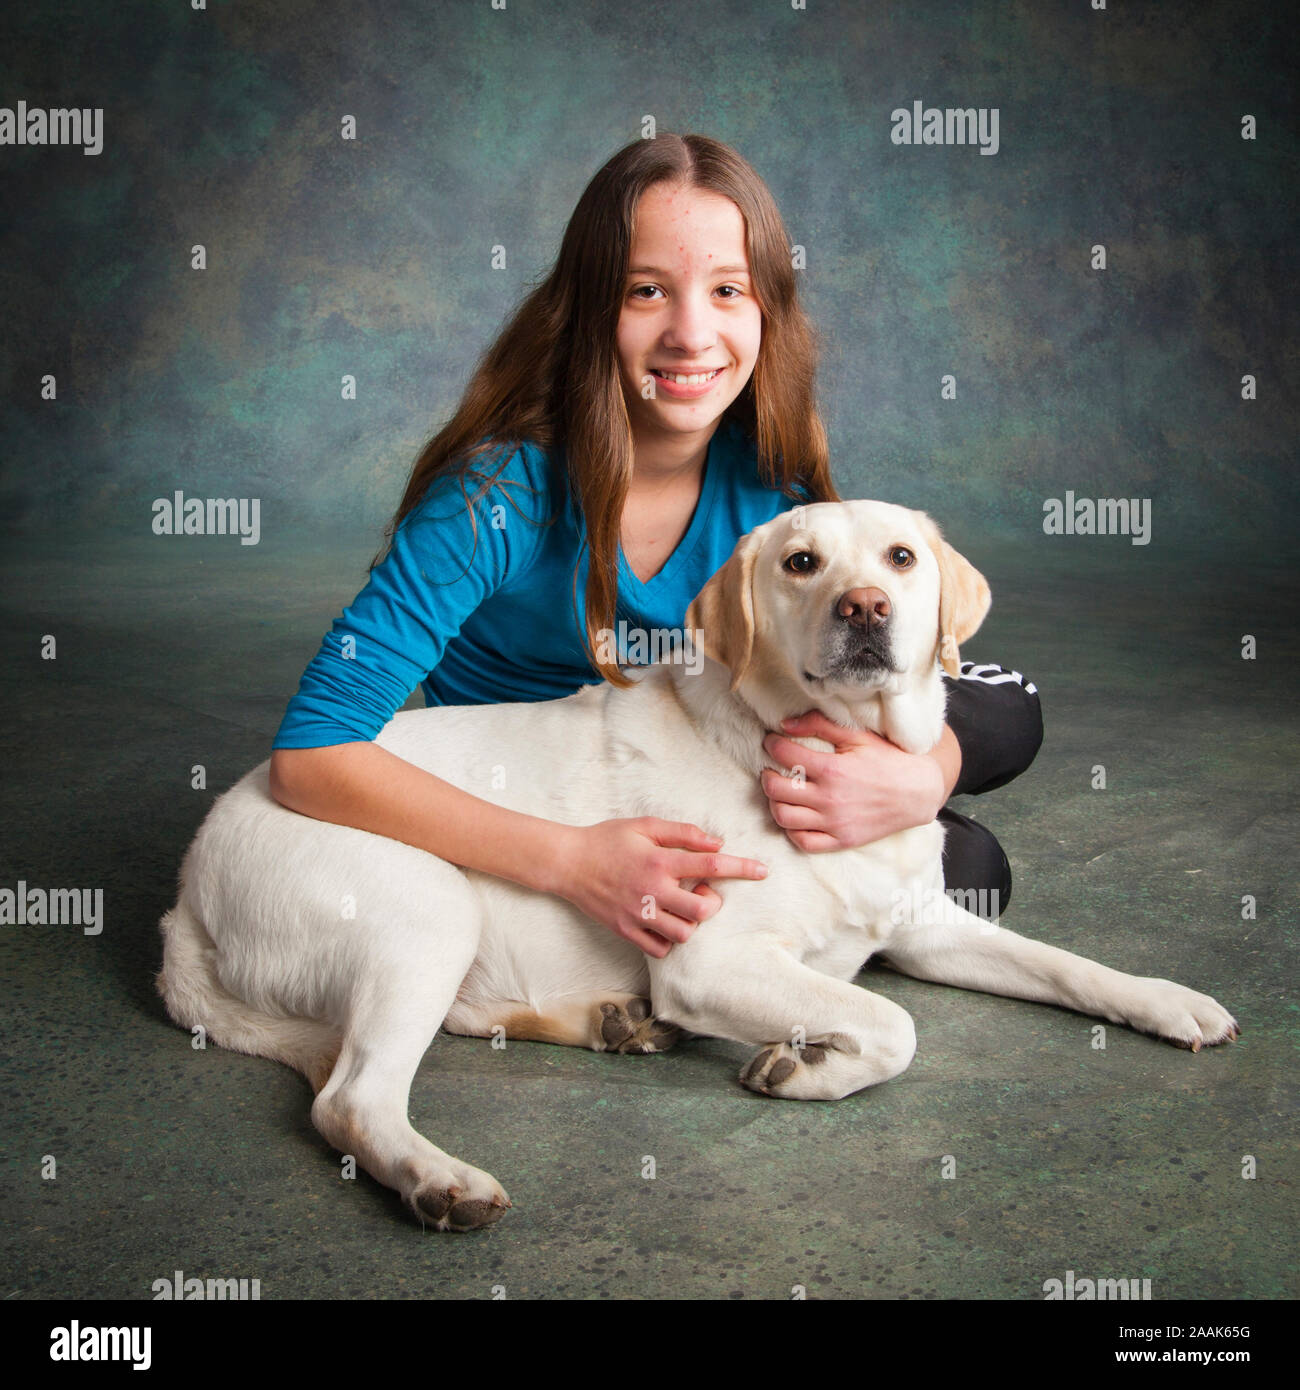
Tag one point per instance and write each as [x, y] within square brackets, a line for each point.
[196, 999]
[603, 1020]
[397, 1005]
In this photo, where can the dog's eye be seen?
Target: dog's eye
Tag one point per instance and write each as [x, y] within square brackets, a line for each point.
[901, 557]
[801, 562]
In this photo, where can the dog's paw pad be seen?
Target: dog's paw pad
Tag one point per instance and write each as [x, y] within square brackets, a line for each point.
[638, 1009]
[434, 1203]
[616, 1024]
[473, 1212]
[631, 1027]
[771, 1071]
[452, 1208]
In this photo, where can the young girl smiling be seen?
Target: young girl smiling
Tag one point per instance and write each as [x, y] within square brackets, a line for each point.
[646, 406]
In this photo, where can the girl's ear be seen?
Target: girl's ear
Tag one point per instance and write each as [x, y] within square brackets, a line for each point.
[964, 597]
[723, 611]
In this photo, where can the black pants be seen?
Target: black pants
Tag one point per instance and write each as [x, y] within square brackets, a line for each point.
[998, 722]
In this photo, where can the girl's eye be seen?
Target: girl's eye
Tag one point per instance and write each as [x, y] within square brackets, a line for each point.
[736, 291]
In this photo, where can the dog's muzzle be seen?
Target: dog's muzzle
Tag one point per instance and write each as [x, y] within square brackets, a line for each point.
[858, 647]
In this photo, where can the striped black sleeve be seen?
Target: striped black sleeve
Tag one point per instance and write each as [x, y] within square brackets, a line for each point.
[997, 719]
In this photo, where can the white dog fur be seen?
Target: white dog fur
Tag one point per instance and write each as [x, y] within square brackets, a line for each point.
[341, 952]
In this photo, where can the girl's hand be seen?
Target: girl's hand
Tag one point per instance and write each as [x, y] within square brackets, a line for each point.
[626, 875]
[866, 789]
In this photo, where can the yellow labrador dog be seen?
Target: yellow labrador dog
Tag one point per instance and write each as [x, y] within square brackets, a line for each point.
[341, 952]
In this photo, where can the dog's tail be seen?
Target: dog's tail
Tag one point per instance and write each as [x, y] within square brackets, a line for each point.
[196, 998]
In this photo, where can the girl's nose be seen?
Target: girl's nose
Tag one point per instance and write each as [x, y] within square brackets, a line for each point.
[688, 324]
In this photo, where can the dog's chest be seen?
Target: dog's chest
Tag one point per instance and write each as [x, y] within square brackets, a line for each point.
[875, 887]
[658, 766]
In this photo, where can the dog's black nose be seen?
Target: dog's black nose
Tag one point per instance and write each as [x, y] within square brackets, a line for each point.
[864, 608]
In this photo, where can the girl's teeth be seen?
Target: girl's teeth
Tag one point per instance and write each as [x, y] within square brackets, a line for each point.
[697, 380]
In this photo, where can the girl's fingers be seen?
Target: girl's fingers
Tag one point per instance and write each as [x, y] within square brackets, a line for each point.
[680, 910]
[670, 924]
[681, 834]
[687, 906]
[691, 865]
[651, 944]
[791, 754]
[786, 789]
[791, 817]
[690, 839]
[816, 841]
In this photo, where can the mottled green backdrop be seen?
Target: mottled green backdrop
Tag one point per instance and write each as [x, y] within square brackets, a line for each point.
[479, 126]
[133, 662]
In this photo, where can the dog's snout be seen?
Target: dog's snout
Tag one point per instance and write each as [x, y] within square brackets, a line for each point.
[865, 608]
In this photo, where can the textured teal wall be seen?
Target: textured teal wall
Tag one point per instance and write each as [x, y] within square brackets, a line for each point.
[479, 126]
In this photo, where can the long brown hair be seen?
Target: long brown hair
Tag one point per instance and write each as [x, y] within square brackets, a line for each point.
[552, 375]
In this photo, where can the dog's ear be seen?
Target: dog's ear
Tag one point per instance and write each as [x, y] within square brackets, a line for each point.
[964, 597]
[723, 611]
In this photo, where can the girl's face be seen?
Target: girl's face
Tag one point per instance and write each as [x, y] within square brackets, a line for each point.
[688, 311]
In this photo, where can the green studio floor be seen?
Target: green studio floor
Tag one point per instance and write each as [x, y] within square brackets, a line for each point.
[1121, 1163]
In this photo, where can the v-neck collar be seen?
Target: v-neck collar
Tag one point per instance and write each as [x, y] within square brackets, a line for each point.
[699, 521]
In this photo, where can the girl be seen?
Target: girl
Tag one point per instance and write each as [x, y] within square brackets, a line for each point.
[647, 405]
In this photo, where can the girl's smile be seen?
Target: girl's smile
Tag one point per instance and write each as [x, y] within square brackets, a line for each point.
[687, 385]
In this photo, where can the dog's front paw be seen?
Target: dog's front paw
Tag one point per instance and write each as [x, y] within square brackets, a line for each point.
[631, 1026]
[472, 1199]
[1181, 1016]
[788, 1072]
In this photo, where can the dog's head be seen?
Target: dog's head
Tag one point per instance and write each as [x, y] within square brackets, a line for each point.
[842, 599]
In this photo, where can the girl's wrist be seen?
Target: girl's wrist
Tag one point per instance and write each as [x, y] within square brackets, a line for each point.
[932, 790]
[552, 864]
[946, 757]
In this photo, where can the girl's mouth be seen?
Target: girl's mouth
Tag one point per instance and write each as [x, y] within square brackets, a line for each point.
[686, 385]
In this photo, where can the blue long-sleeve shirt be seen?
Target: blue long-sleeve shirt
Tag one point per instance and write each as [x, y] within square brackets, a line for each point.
[498, 620]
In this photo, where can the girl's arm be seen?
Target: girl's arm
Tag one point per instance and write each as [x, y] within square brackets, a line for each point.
[440, 568]
[606, 869]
